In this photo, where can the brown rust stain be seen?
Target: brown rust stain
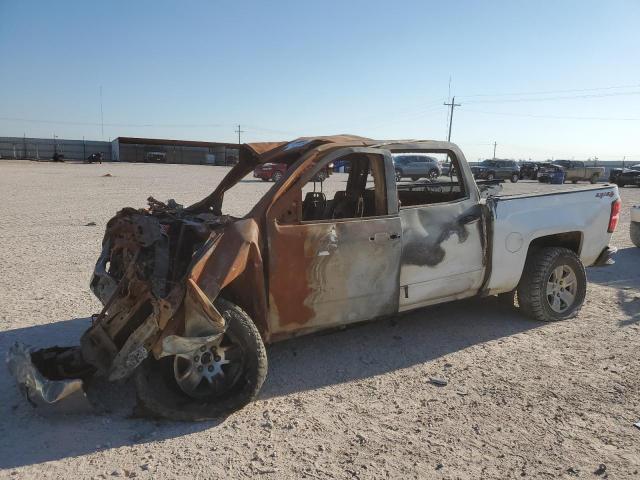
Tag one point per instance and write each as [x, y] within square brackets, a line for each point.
[289, 287]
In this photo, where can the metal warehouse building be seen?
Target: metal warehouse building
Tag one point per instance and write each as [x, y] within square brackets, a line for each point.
[22, 148]
[153, 150]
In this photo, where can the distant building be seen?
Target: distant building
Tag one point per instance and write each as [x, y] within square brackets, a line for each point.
[154, 150]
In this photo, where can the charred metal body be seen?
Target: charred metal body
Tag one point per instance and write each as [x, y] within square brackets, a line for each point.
[196, 293]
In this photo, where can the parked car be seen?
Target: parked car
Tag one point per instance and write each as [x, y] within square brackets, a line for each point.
[629, 176]
[613, 174]
[547, 172]
[497, 169]
[634, 228]
[575, 171]
[275, 171]
[270, 171]
[416, 167]
[529, 170]
[94, 157]
[191, 295]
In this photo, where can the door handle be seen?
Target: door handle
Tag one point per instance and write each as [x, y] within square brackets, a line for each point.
[384, 236]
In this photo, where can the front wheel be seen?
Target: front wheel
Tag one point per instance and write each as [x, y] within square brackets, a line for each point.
[553, 285]
[211, 381]
[490, 176]
[276, 176]
[515, 177]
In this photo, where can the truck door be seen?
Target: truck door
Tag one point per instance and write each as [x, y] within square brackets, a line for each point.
[334, 247]
[443, 247]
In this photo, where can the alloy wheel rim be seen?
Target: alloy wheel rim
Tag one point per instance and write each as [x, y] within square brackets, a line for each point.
[562, 287]
[209, 371]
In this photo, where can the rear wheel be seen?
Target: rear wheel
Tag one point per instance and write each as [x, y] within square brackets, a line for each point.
[634, 233]
[553, 285]
[276, 176]
[210, 382]
[490, 176]
[515, 177]
[433, 174]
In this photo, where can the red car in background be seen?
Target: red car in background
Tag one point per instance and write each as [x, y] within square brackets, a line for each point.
[275, 171]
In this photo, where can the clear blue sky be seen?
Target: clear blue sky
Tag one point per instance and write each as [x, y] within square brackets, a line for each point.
[194, 69]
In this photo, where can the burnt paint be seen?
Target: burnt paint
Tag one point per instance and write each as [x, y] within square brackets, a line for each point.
[423, 242]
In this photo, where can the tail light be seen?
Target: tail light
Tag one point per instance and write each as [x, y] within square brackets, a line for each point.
[615, 216]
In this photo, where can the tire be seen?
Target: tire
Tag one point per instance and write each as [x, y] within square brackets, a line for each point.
[620, 184]
[398, 175]
[515, 177]
[533, 290]
[160, 395]
[276, 176]
[490, 176]
[433, 174]
[593, 179]
[634, 233]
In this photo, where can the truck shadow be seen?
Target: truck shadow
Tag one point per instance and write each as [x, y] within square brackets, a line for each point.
[378, 347]
[295, 365]
[624, 277]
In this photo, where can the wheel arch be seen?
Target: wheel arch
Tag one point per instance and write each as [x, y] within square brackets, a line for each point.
[571, 240]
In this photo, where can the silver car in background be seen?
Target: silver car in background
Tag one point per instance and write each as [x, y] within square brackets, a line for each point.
[416, 166]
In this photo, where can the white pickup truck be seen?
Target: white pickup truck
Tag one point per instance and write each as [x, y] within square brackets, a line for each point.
[192, 295]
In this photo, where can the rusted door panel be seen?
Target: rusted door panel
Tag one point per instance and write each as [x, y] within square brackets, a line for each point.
[333, 273]
[442, 253]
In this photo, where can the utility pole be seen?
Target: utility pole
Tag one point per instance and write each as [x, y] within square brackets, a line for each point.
[101, 117]
[495, 144]
[239, 131]
[453, 104]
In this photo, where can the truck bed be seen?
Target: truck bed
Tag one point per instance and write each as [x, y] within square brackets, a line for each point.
[535, 188]
[546, 210]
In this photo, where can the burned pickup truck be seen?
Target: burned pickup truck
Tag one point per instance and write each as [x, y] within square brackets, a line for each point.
[191, 295]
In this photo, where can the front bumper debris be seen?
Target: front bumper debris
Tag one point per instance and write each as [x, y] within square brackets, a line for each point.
[51, 379]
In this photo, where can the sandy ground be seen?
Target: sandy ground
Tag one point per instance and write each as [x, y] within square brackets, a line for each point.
[523, 399]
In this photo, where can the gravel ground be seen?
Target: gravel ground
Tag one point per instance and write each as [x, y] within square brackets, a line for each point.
[523, 399]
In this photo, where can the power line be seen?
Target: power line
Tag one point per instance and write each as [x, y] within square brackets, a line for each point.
[567, 97]
[90, 124]
[547, 92]
[554, 117]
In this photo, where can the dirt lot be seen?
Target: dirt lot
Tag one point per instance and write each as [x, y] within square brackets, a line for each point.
[523, 399]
